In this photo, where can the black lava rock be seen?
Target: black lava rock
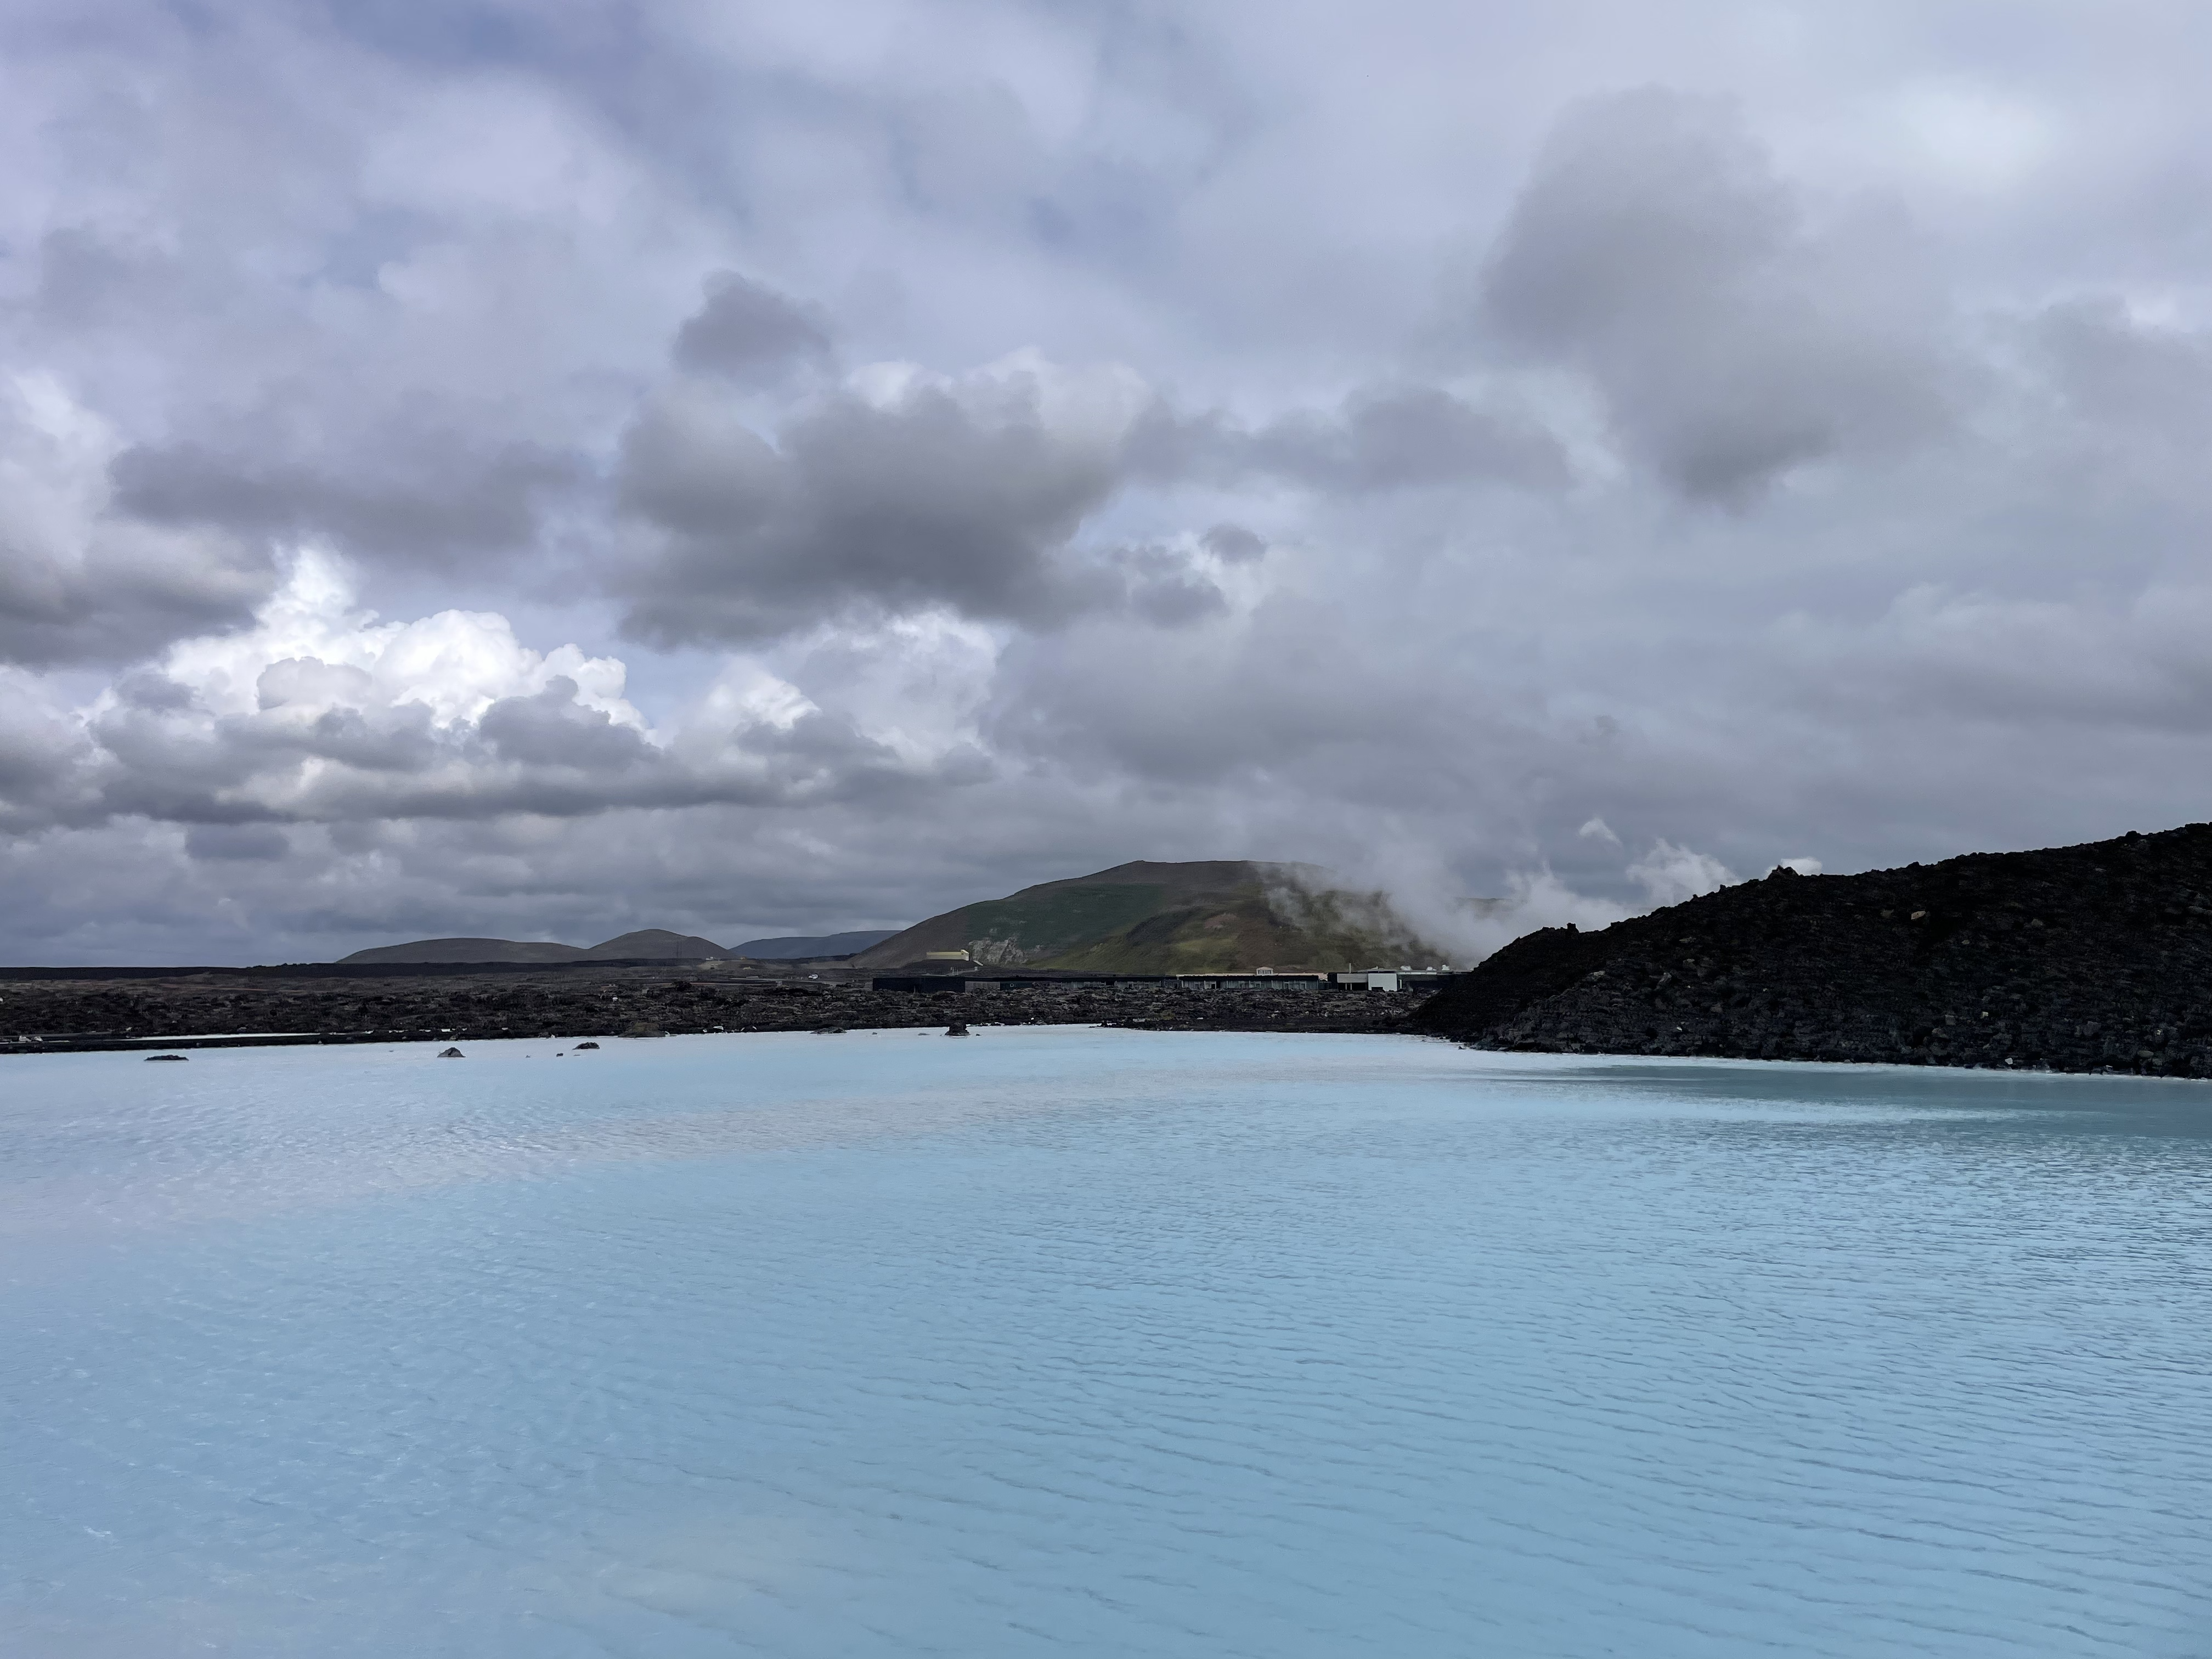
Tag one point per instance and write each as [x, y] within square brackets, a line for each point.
[2089, 958]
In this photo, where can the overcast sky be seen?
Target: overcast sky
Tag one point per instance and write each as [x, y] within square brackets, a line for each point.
[544, 468]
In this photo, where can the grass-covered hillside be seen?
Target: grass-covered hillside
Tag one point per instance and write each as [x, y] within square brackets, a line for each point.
[1144, 918]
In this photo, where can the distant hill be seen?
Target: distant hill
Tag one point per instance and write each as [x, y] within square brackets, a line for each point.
[2094, 957]
[469, 950]
[650, 945]
[802, 947]
[1146, 918]
[656, 944]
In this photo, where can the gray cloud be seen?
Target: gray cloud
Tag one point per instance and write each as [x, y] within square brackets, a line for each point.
[1232, 544]
[1377, 439]
[236, 842]
[961, 496]
[82, 580]
[544, 753]
[420, 500]
[1731, 336]
[748, 332]
[1405, 437]
[1335, 569]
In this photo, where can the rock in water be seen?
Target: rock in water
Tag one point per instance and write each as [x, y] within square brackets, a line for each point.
[452, 1053]
[582, 1046]
[958, 1028]
[150, 1059]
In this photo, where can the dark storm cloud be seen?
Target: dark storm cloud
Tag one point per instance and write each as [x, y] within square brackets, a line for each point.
[748, 332]
[1731, 336]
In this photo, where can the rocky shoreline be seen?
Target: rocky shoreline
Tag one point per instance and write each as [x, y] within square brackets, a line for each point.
[2089, 958]
[47, 1016]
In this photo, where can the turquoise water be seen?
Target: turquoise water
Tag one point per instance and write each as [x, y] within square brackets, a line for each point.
[1081, 1342]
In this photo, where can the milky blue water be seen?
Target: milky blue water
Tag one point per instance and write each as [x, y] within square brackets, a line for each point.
[1080, 1342]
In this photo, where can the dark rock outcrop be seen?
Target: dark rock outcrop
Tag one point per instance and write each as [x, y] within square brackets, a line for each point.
[2089, 958]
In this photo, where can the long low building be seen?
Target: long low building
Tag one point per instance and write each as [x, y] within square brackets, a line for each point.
[1364, 980]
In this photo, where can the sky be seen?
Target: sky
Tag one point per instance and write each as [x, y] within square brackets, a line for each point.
[542, 470]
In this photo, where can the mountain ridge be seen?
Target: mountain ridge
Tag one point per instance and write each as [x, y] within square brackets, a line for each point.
[1148, 917]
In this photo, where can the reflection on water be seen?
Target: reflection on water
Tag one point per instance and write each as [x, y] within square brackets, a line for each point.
[1100, 1343]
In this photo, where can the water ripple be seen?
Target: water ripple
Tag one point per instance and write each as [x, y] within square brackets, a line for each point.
[1098, 1343]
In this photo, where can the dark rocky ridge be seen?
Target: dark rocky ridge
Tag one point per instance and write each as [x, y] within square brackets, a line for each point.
[320, 1005]
[2089, 958]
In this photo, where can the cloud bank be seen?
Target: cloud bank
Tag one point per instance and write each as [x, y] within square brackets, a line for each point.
[754, 471]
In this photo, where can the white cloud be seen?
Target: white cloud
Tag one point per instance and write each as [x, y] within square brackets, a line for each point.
[455, 664]
[1977, 137]
[1669, 874]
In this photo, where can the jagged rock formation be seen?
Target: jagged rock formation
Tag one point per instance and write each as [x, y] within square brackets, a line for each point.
[2089, 958]
[1219, 916]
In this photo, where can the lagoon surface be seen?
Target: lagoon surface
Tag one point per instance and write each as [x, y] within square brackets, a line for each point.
[1064, 1341]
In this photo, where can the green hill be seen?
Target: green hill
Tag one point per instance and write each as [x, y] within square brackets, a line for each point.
[1142, 918]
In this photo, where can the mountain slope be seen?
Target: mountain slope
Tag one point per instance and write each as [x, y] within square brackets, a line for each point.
[1215, 917]
[655, 945]
[469, 950]
[651, 944]
[2093, 957]
[808, 947]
